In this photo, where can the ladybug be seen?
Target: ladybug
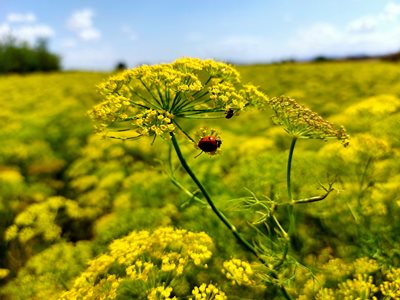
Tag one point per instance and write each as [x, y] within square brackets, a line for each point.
[209, 144]
[229, 113]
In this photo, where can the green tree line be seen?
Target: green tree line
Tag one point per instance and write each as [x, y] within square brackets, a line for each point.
[20, 57]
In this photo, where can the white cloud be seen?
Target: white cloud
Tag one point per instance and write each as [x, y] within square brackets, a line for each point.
[21, 18]
[89, 57]
[29, 33]
[89, 34]
[5, 30]
[32, 32]
[330, 40]
[242, 48]
[391, 11]
[81, 19]
[24, 27]
[318, 39]
[370, 23]
[81, 23]
[363, 25]
[377, 33]
[320, 35]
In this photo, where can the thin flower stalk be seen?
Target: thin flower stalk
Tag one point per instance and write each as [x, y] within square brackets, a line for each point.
[289, 168]
[301, 123]
[290, 209]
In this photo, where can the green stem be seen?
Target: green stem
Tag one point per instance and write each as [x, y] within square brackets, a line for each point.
[186, 191]
[289, 186]
[289, 168]
[287, 240]
[361, 188]
[220, 215]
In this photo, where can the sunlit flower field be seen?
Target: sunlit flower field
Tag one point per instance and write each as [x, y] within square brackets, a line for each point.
[106, 191]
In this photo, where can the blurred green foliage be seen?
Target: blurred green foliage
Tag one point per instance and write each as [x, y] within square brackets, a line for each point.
[20, 57]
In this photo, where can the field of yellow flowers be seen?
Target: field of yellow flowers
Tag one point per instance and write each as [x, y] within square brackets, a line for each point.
[88, 217]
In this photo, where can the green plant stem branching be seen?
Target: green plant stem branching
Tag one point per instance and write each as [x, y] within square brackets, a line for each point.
[221, 216]
[328, 190]
[286, 247]
[187, 192]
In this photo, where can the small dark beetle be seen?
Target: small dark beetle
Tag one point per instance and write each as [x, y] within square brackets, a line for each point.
[229, 113]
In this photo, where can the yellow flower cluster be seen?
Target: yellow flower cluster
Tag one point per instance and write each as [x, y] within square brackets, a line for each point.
[140, 270]
[45, 275]
[361, 287]
[337, 269]
[213, 68]
[97, 175]
[363, 147]
[391, 287]
[115, 108]
[184, 247]
[143, 256]
[324, 294]
[149, 100]
[4, 273]
[377, 106]
[314, 287]
[301, 122]
[11, 176]
[391, 290]
[226, 95]
[208, 292]
[361, 279]
[154, 122]
[160, 293]
[39, 219]
[365, 265]
[105, 288]
[238, 272]
[94, 282]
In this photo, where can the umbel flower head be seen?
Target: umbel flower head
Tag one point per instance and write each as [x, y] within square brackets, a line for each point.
[301, 122]
[150, 100]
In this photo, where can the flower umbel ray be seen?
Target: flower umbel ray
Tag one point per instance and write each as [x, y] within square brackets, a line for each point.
[150, 100]
[301, 122]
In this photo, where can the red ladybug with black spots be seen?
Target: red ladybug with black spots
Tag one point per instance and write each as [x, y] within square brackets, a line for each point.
[209, 144]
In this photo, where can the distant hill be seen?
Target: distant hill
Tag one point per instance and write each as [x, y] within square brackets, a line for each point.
[393, 57]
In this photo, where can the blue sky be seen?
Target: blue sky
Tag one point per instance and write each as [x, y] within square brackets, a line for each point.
[96, 34]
